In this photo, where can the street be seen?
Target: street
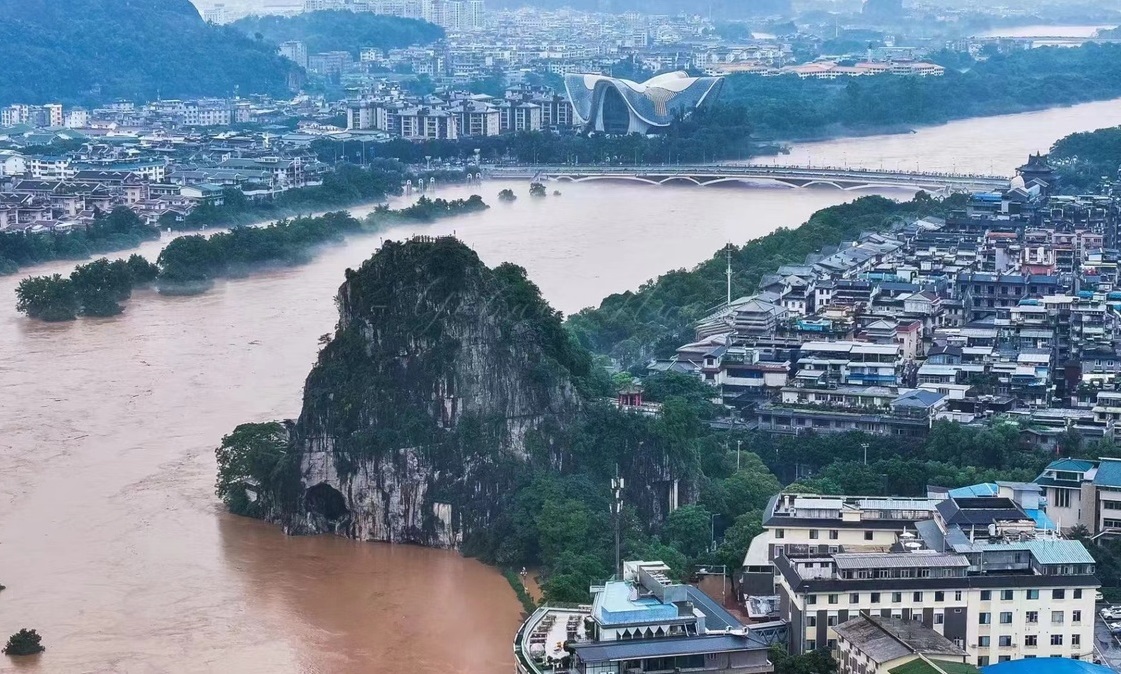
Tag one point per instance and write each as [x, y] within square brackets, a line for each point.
[1106, 646]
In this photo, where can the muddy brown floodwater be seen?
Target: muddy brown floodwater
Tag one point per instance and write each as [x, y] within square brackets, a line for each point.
[112, 543]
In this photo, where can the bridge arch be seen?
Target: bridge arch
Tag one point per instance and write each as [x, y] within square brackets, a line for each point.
[685, 179]
[750, 180]
[630, 178]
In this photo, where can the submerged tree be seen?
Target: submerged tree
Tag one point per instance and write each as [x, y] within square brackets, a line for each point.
[24, 642]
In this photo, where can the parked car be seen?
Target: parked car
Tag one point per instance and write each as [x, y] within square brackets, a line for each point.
[1099, 597]
[1115, 628]
[1110, 613]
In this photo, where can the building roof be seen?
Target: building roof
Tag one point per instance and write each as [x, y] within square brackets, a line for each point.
[1071, 465]
[885, 639]
[1109, 473]
[903, 560]
[1047, 551]
[934, 666]
[609, 651]
[980, 510]
[1046, 666]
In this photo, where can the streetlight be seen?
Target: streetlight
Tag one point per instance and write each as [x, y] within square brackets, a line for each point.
[616, 510]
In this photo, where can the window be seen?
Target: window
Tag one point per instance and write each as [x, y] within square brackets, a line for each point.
[1033, 594]
[1032, 617]
[813, 534]
[1004, 641]
[984, 618]
[939, 596]
[831, 620]
[982, 660]
[832, 599]
[986, 595]
[896, 597]
[1056, 617]
[1006, 595]
[1056, 640]
[957, 595]
[811, 621]
[811, 644]
[1076, 617]
[1076, 640]
[780, 533]
[833, 534]
[1031, 640]
[811, 599]
[1078, 594]
[867, 535]
[1058, 594]
[939, 618]
[1003, 658]
[875, 599]
[854, 598]
[984, 642]
[1006, 617]
[917, 596]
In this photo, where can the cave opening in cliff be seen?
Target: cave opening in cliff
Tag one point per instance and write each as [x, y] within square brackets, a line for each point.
[325, 500]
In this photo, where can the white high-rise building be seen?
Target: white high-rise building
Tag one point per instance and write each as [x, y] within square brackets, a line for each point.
[453, 15]
[215, 14]
[294, 50]
[54, 115]
[475, 18]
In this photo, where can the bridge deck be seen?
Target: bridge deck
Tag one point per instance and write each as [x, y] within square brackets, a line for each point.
[793, 176]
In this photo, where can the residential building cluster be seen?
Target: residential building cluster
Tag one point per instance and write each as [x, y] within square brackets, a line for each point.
[453, 15]
[160, 173]
[458, 114]
[976, 575]
[1009, 307]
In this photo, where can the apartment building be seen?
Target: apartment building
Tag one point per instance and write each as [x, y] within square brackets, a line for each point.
[1078, 491]
[979, 572]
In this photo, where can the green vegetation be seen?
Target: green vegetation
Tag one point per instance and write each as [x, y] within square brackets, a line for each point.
[190, 264]
[254, 459]
[528, 605]
[94, 289]
[24, 642]
[136, 50]
[119, 230]
[637, 325]
[789, 107]
[815, 662]
[341, 30]
[507, 195]
[1087, 160]
[537, 190]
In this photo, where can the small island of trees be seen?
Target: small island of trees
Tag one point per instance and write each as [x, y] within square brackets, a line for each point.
[507, 195]
[190, 264]
[24, 642]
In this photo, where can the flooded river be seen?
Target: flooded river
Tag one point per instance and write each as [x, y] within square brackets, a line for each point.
[112, 543]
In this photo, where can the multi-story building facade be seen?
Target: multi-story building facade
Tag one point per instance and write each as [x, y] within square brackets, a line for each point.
[978, 571]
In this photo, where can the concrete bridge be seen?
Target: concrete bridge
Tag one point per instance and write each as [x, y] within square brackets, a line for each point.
[848, 179]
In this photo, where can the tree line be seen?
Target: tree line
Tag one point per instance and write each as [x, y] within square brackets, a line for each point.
[789, 107]
[118, 230]
[190, 264]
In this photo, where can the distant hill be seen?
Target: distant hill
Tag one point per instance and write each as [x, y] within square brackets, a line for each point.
[716, 9]
[91, 50]
[341, 30]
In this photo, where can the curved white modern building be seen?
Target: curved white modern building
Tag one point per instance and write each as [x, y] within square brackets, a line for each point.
[618, 106]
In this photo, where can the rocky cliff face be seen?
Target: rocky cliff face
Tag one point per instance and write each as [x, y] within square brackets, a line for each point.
[442, 377]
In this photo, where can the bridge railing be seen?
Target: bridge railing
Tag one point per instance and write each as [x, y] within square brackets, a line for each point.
[744, 169]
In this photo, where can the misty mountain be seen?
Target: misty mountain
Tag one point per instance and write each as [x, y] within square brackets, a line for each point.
[91, 50]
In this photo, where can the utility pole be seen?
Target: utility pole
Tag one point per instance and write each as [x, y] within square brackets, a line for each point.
[738, 443]
[865, 446]
[728, 254]
[617, 510]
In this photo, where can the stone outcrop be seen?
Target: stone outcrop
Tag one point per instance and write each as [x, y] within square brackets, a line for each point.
[442, 378]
